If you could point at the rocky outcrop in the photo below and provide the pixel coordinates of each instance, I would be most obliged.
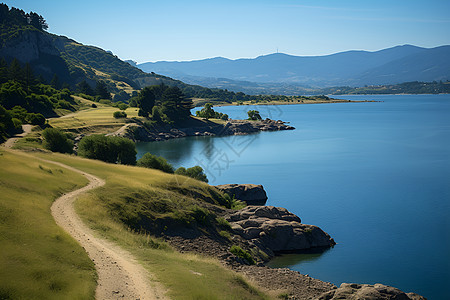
(29, 46)
(275, 229)
(252, 194)
(368, 292)
(139, 132)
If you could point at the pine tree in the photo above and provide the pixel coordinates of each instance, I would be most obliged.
(102, 90)
(15, 71)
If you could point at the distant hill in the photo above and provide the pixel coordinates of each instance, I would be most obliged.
(354, 68)
(49, 54)
(72, 62)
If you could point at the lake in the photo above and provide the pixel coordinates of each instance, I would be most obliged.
(375, 176)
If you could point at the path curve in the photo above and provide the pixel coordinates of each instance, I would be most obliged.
(120, 276)
(9, 143)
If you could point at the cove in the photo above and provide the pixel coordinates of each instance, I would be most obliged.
(375, 176)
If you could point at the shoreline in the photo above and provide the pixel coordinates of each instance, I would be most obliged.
(333, 101)
(139, 132)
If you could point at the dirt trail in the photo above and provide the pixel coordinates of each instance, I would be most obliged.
(120, 276)
(11, 141)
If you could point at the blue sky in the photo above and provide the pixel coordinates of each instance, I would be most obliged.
(148, 30)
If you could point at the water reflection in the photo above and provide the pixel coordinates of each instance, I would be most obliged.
(175, 151)
(297, 258)
(214, 154)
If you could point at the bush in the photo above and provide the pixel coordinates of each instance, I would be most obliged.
(239, 252)
(17, 124)
(110, 149)
(155, 162)
(119, 114)
(56, 141)
(122, 106)
(194, 172)
(36, 119)
(223, 223)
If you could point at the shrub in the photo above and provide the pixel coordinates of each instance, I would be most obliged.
(110, 149)
(122, 106)
(119, 114)
(155, 162)
(36, 119)
(201, 215)
(223, 223)
(17, 124)
(225, 234)
(194, 172)
(239, 252)
(56, 141)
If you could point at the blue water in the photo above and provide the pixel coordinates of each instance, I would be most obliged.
(375, 176)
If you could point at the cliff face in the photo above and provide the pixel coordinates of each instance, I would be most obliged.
(43, 51)
(29, 46)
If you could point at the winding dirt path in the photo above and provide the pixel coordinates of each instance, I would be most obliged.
(120, 276)
(9, 143)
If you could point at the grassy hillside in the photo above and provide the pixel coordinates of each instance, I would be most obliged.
(134, 195)
(38, 259)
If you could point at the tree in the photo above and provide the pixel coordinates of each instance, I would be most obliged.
(84, 88)
(206, 112)
(6, 124)
(175, 105)
(55, 82)
(102, 90)
(29, 76)
(119, 114)
(155, 162)
(112, 149)
(15, 71)
(157, 115)
(4, 76)
(37, 21)
(254, 115)
(195, 172)
(146, 100)
(36, 119)
(57, 141)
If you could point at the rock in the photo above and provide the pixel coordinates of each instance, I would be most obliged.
(276, 229)
(368, 292)
(252, 194)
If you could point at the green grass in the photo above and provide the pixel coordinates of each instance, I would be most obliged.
(38, 259)
(93, 120)
(133, 190)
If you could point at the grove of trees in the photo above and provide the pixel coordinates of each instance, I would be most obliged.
(162, 103)
(208, 112)
(110, 149)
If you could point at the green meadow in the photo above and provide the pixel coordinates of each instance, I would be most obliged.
(41, 257)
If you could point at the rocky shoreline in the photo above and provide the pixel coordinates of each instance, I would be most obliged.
(136, 130)
(265, 231)
(262, 231)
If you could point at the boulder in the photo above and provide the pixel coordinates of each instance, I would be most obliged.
(275, 229)
(368, 292)
(252, 194)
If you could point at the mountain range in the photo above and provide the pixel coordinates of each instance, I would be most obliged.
(352, 68)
